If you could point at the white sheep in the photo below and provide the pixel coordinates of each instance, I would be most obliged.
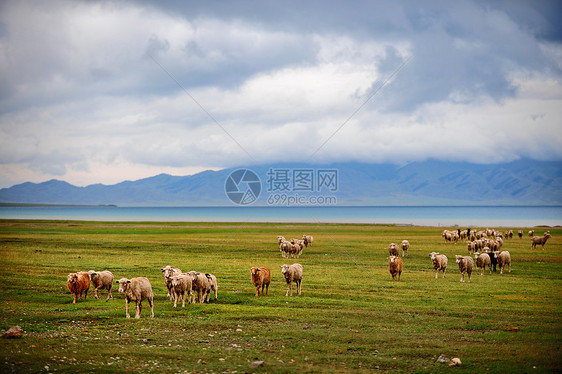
(393, 249)
(504, 258)
(168, 272)
(439, 262)
(483, 260)
(405, 246)
(181, 285)
(471, 246)
(201, 284)
(292, 273)
(137, 290)
(214, 287)
(465, 266)
(102, 280)
(540, 240)
(308, 239)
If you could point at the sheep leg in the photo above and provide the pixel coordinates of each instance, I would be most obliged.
(183, 299)
(299, 283)
(74, 301)
(127, 308)
(399, 274)
(151, 303)
(175, 299)
(289, 288)
(138, 309)
(444, 270)
(266, 289)
(96, 295)
(436, 272)
(109, 295)
(85, 295)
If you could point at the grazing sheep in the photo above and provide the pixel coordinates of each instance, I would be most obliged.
(395, 265)
(181, 285)
(503, 258)
(540, 240)
(285, 248)
(261, 277)
(405, 246)
(201, 284)
(214, 287)
(483, 260)
(471, 246)
(520, 234)
(168, 272)
(137, 290)
(308, 239)
(447, 235)
(439, 262)
(292, 273)
(393, 249)
(77, 284)
(465, 266)
(102, 280)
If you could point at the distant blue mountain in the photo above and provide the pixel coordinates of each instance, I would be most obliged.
(522, 182)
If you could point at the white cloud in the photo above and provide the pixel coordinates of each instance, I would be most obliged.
(82, 100)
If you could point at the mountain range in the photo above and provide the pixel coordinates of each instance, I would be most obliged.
(521, 182)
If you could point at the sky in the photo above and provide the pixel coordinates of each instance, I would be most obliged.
(106, 91)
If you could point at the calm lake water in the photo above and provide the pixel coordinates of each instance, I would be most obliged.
(490, 216)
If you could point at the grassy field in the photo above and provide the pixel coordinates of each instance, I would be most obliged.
(351, 316)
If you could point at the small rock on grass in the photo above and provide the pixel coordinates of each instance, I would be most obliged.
(443, 358)
(13, 333)
(455, 362)
(256, 364)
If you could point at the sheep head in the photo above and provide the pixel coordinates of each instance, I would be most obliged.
(284, 268)
(392, 259)
(72, 277)
(123, 284)
(459, 258)
(433, 255)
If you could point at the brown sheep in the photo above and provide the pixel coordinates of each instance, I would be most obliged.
(261, 277)
(395, 265)
(137, 290)
(540, 240)
(77, 284)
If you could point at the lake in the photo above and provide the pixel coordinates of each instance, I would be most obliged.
(464, 216)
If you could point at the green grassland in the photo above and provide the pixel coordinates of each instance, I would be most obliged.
(351, 316)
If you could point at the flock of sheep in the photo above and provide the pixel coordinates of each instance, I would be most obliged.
(488, 241)
(181, 285)
(293, 248)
